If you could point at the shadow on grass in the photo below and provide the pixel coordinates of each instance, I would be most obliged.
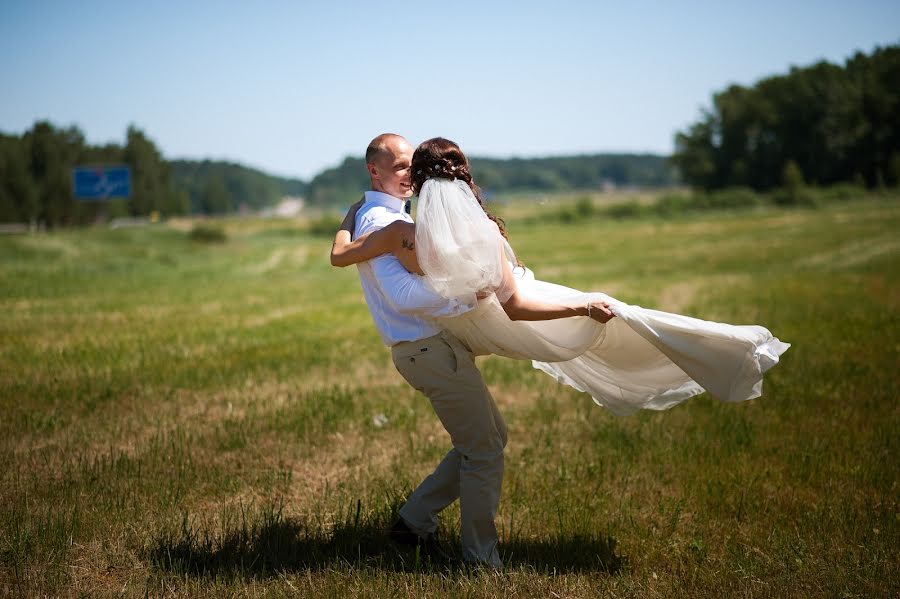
(265, 543)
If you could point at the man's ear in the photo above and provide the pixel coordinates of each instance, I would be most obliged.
(371, 168)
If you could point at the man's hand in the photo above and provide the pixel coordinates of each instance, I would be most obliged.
(600, 312)
(349, 221)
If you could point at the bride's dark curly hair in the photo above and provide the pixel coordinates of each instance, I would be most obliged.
(440, 158)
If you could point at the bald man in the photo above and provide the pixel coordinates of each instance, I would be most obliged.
(437, 364)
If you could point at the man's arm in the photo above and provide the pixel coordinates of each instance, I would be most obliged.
(365, 247)
(408, 294)
(344, 233)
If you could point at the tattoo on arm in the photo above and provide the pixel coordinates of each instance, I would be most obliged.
(406, 244)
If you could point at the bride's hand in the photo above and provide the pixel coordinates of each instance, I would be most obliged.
(600, 311)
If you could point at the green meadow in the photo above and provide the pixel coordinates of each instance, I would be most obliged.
(219, 418)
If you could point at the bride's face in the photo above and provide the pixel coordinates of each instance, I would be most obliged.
(391, 171)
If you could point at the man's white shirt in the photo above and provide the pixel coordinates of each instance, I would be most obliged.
(401, 303)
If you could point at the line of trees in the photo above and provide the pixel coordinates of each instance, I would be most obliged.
(573, 172)
(36, 180)
(216, 187)
(339, 185)
(36, 177)
(821, 124)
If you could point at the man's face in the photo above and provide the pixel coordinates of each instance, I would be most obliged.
(390, 171)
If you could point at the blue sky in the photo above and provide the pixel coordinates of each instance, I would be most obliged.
(293, 87)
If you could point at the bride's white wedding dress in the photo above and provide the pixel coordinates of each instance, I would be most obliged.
(641, 359)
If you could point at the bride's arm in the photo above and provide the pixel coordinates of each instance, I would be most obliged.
(521, 307)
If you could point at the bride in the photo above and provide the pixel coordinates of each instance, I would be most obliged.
(641, 359)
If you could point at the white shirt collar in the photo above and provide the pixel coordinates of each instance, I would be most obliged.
(380, 198)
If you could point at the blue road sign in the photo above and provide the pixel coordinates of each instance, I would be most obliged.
(101, 182)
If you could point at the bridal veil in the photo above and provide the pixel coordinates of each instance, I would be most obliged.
(460, 250)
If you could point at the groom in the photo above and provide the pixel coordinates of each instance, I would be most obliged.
(437, 364)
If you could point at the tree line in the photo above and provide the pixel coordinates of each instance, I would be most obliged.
(36, 180)
(821, 124)
(36, 177)
(222, 187)
(338, 185)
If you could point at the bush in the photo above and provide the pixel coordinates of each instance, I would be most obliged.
(207, 233)
(567, 216)
(324, 226)
(729, 198)
(287, 231)
(797, 196)
(671, 205)
(630, 209)
(842, 192)
(584, 207)
(732, 197)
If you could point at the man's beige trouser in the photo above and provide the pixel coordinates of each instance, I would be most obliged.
(444, 370)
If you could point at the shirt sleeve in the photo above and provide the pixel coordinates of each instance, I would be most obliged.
(409, 294)
(369, 221)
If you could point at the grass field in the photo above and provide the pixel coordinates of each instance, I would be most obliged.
(220, 419)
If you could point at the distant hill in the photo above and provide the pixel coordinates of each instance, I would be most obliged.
(338, 185)
(573, 172)
(219, 187)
